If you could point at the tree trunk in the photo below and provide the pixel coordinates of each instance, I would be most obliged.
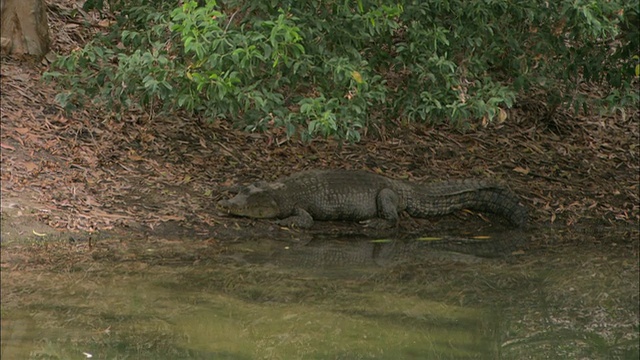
(24, 28)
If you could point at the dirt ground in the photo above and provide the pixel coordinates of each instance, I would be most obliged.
(82, 174)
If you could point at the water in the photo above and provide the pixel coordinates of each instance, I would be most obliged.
(180, 299)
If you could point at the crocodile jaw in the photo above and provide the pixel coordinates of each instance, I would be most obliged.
(258, 205)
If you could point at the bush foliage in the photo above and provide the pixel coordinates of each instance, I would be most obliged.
(331, 68)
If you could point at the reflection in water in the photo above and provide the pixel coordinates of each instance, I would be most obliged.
(337, 300)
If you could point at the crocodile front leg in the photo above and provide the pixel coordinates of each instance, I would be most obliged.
(300, 219)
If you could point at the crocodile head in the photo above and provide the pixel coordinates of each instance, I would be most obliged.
(254, 201)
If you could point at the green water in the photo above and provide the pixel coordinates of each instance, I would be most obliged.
(561, 303)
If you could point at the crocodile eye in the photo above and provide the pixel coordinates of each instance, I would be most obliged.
(253, 190)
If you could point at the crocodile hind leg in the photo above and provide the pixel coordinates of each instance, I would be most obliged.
(387, 203)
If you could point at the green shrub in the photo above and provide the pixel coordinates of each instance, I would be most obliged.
(331, 68)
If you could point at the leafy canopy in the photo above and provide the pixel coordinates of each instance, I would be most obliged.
(331, 68)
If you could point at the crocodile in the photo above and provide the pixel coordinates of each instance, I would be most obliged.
(374, 199)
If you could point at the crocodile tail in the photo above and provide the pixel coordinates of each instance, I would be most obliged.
(501, 201)
(480, 195)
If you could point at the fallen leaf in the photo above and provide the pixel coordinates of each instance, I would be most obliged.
(502, 116)
(171, 218)
(105, 23)
(5, 146)
(135, 157)
(427, 238)
(30, 166)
